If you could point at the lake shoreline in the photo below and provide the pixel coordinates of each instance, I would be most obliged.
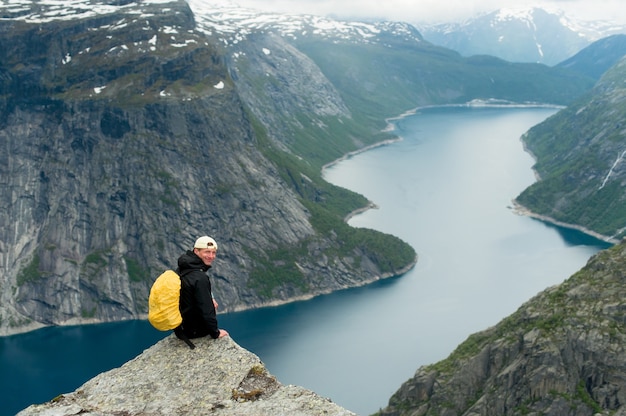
(523, 211)
(519, 209)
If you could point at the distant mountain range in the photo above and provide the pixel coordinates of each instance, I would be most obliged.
(521, 35)
(598, 57)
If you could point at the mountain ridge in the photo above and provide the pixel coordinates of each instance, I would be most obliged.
(524, 34)
(598, 57)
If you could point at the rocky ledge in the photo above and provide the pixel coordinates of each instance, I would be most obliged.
(218, 377)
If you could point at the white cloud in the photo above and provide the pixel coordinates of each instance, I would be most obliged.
(429, 11)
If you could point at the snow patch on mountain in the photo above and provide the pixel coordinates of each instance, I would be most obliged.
(236, 23)
(44, 11)
(230, 22)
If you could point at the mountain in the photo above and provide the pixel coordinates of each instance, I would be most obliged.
(560, 354)
(598, 57)
(580, 157)
(381, 69)
(524, 34)
(131, 128)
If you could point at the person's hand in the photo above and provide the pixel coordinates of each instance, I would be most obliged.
(223, 333)
(215, 304)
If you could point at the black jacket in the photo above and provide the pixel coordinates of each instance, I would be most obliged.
(196, 300)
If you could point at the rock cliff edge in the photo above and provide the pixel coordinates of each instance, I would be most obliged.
(217, 377)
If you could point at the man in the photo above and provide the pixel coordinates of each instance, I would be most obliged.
(197, 306)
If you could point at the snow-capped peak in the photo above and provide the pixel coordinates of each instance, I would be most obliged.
(218, 17)
(227, 18)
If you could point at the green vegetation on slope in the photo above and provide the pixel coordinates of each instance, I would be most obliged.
(580, 154)
(328, 205)
(379, 81)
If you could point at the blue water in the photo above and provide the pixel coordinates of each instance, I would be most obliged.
(446, 189)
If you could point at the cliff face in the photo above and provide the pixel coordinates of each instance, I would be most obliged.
(218, 377)
(124, 138)
(562, 353)
(110, 174)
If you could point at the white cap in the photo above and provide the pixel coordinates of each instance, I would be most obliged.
(205, 242)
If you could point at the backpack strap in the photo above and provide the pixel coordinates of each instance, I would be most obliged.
(181, 334)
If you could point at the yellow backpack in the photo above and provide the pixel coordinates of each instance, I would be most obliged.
(163, 310)
(163, 304)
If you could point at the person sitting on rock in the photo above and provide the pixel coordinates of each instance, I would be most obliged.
(197, 305)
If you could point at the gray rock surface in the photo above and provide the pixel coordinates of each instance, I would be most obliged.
(218, 377)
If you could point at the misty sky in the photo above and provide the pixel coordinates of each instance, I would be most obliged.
(435, 11)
